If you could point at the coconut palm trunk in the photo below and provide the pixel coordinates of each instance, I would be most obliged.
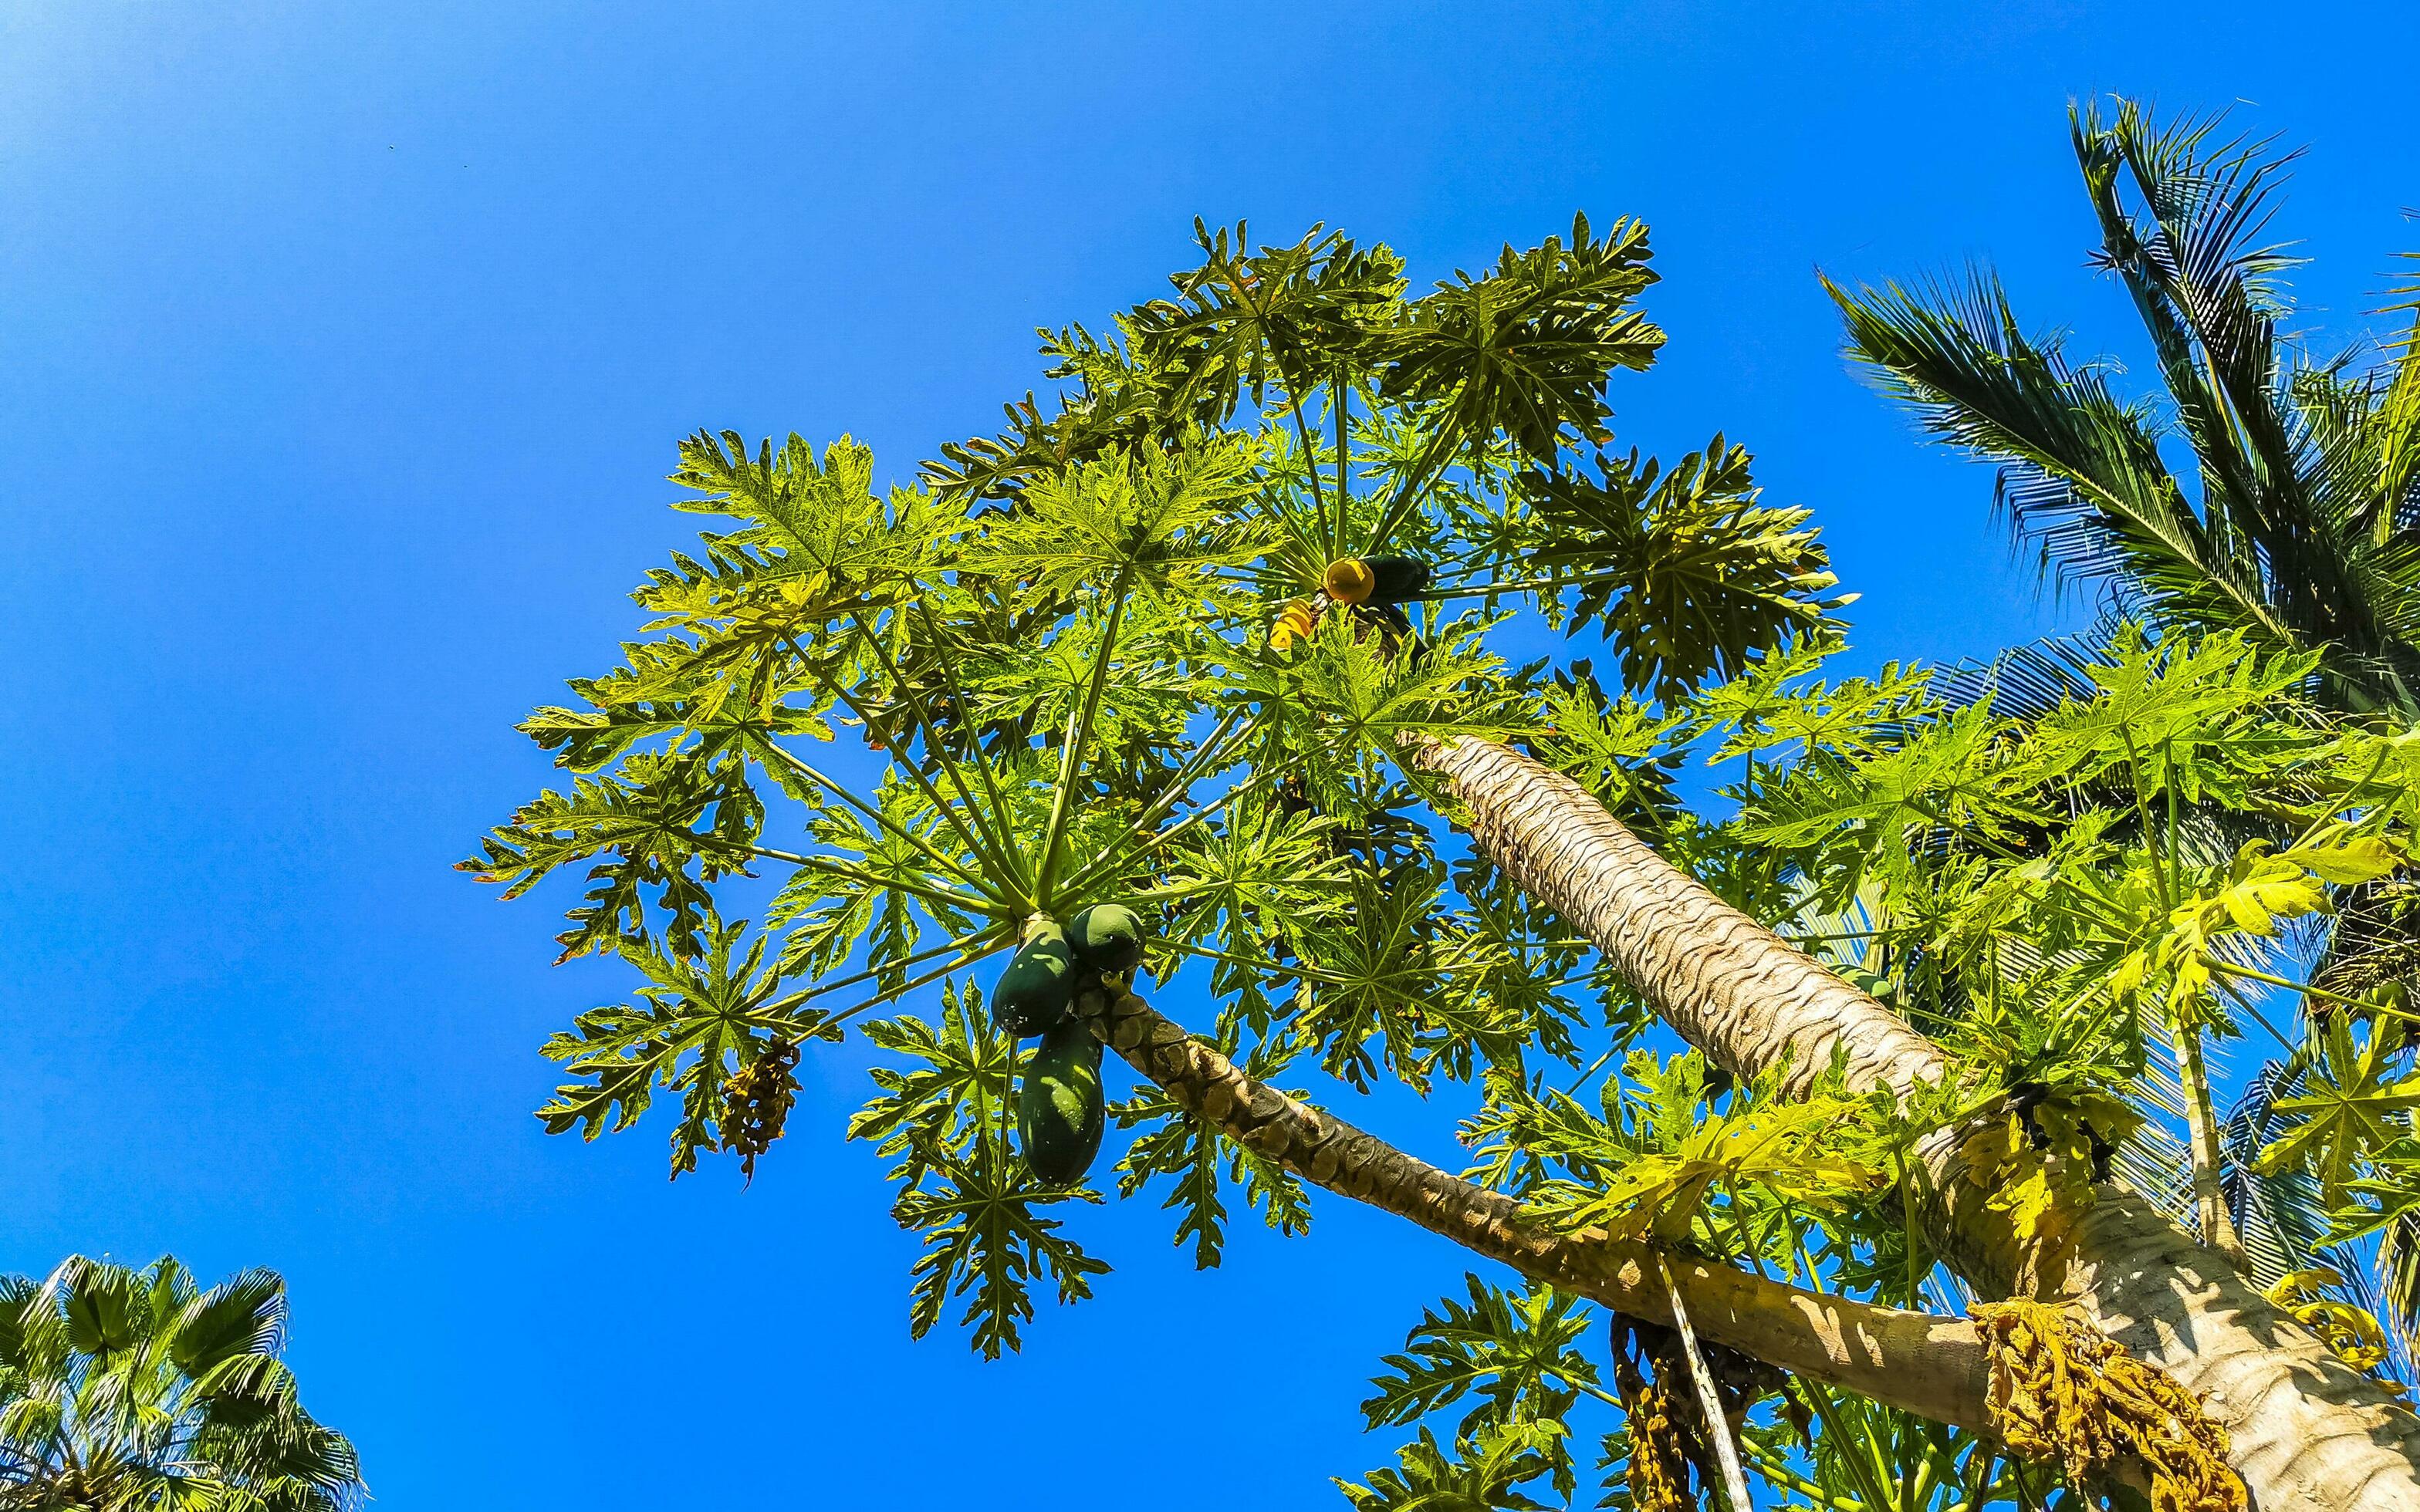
(2309, 1433)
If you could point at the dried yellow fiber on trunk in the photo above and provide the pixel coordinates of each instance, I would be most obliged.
(2353, 1332)
(2061, 1391)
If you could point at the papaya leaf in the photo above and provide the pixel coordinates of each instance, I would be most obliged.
(815, 522)
(1343, 700)
(1482, 1474)
(942, 1122)
(1391, 968)
(696, 1021)
(2353, 1106)
(1286, 317)
(1197, 1160)
(1148, 522)
(1524, 349)
(958, 1075)
(655, 820)
(884, 889)
(983, 1240)
(1684, 573)
(1517, 1354)
(1182, 1147)
(1648, 1168)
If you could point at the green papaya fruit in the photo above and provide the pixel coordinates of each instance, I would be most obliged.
(1395, 579)
(1375, 579)
(1107, 937)
(1059, 1104)
(1033, 991)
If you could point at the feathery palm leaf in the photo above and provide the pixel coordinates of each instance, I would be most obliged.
(2303, 533)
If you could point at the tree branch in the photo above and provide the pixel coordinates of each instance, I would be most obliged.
(1932, 1366)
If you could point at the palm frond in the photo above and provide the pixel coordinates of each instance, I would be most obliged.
(2081, 474)
(2187, 244)
(2029, 681)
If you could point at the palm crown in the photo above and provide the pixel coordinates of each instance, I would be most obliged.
(130, 1391)
(2296, 525)
(2298, 522)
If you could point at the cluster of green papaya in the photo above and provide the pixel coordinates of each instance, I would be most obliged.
(1372, 582)
(1376, 581)
(1059, 1104)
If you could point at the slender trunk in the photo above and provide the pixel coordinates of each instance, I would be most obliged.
(2211, 1213)
(1932, 1366)
(2309, 1432)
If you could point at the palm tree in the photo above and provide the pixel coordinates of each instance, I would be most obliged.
(2305, 531)
(2301, 525)
(128, 1391)
(2296, 522)
(2307, 1430)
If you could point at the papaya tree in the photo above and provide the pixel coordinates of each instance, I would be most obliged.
(1194, 678)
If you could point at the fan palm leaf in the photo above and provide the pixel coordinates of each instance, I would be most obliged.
(138, 1389)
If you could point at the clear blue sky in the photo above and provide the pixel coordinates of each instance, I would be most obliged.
(342, 351)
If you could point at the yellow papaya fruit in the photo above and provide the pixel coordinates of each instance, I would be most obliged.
(1294, 623)
(1349, 581)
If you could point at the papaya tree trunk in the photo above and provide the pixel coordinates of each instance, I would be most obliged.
(2201, 1134)
(1932, 1366)
(1710, 1401)
(2309, 1433)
